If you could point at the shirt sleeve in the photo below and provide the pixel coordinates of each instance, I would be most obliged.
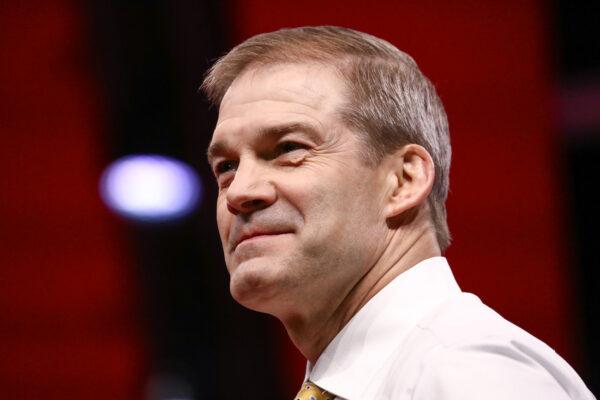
(496, 370)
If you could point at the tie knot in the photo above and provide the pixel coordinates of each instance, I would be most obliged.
(310, 391)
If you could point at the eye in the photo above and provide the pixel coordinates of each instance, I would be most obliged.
(225, 166)
(288, 147)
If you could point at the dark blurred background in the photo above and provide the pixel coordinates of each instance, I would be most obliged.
(94, 305)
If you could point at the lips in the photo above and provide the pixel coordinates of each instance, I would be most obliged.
(249, 234)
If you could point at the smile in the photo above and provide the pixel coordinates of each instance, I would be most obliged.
(257, 237)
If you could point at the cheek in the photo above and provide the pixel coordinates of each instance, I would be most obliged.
(321, 207)
(307, 197)
(351, 200)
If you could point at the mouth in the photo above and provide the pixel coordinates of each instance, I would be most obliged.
(253, 236)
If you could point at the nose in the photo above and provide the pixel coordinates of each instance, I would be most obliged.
(250, 190)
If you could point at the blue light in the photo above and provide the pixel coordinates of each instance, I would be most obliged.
(150, 188)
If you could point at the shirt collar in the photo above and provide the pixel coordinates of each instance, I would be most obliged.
(352, 358)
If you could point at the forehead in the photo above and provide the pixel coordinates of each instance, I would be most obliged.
(311, 93)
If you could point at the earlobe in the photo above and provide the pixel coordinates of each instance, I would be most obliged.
(411, 175)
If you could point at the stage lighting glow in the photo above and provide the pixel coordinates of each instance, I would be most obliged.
(150, 188)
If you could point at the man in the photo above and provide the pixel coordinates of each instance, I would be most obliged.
(332, 154)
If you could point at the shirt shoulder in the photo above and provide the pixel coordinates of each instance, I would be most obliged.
(468, 351)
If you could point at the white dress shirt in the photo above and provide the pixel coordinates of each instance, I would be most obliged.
(421, 338)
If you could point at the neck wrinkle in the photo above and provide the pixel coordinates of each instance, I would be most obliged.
(312, 335)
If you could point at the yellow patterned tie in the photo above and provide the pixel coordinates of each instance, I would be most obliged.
(310, 391)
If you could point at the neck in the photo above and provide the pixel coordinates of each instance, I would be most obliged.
(405, 247)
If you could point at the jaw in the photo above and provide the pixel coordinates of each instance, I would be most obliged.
(273, 284)
(256, 283)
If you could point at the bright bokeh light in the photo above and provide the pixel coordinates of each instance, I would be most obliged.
(150, 188)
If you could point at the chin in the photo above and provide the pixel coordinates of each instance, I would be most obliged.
(254, 284)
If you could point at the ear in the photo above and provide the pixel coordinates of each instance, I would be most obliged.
(410, 175)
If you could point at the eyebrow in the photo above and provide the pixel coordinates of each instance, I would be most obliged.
(264, 134)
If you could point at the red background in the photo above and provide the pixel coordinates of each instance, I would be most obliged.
(68, 299)
(491, 64)
(68, 325)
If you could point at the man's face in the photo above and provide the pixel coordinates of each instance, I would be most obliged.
(298, 210)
